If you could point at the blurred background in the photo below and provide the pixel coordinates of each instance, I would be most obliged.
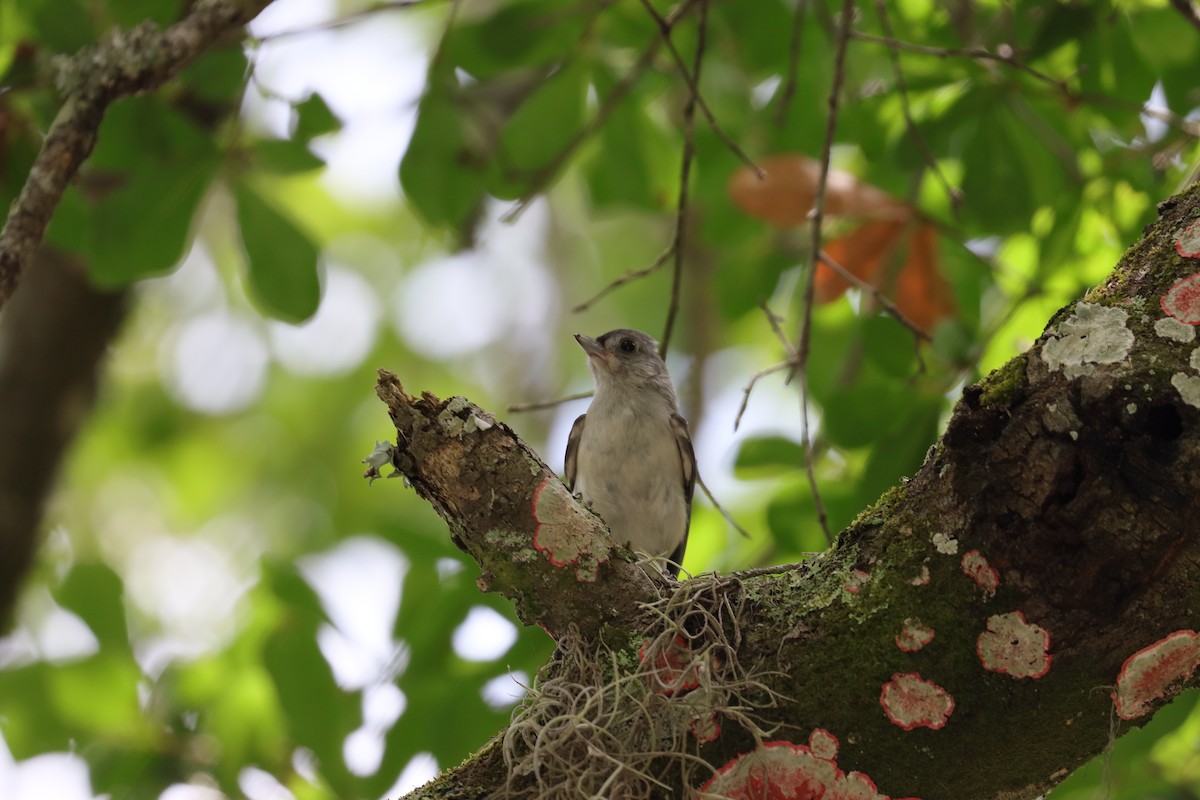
(222, 607)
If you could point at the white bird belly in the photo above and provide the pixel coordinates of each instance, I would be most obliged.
(629, 472)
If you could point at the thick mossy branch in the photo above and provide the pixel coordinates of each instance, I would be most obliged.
(974, 634)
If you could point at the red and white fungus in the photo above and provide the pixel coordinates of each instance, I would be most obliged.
(912, 702)
(913, 635)
(1156, 671)
(1013, 646)
(977, 568)
(786, 771)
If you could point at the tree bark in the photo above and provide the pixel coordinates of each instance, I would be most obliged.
(53, 337)
(977, 633)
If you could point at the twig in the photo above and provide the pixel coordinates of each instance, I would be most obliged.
(1187, 126)
(628, 277)
(693, 82)
(754, 379)
(538, 405)
(1188, 9)
(548, 172)
(876, 294)
(773, 569)
(789, 87)
(685, 171)
(802, 350)
(776, 323)
(983, 54)
(724, 513)
(885, 24)
(129, 61)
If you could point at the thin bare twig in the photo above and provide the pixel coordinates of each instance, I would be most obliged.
(776, 323)
(876, 294)
(789, 87)
(724, 513)
(1186, 126)
(980, 53)
(548, 172)
(953, 193)
(754, 379)
(538, 405)
(628, 277)
(693, 83)
(685, 171)
(805, 344)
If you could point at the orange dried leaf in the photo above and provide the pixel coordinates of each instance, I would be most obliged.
(872, 252)
(785, 197)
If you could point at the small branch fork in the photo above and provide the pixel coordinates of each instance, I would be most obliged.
(129, 61)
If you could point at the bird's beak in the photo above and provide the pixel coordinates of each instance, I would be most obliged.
(592, 348)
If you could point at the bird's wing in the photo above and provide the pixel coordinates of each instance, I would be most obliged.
(687, 456)
(687, 463)
(572, 460)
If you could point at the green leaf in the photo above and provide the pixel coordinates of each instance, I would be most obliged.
(636, 162)
(63, 26)
(533, 33)
(100, 695)
(767, 455)
(315, 118)
(866, 412)
(143, 229)
(792, 517)
(286, 156)
(889, 346)
(441, 175)
(217, 74)
(71, 226)
(319, 713)
(128, 13)
(538, 130)
(281, 261)
(900, 453)
(96, 594)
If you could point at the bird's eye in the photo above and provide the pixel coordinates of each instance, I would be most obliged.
(628, 346)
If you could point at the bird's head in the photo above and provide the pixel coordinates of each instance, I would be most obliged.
(626, 360)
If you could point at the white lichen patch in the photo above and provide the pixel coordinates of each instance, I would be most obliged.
(1188, 387)
(1194, 359)
(1171, 328)
(1094, 334)
(945, 544)
(1131, 408)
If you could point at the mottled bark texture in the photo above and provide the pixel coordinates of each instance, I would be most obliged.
(127, 62)
(1050, 536)
(53, 336)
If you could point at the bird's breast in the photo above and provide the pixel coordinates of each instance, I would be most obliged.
(629, 471)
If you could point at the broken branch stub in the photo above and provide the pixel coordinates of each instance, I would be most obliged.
(534, 542)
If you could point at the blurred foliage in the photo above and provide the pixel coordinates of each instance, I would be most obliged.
(234, 460)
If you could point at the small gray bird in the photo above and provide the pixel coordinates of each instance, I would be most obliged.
(630, 456)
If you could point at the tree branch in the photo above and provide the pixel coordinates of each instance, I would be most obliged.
(53, 337)
(129, 62)
(974, 634)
